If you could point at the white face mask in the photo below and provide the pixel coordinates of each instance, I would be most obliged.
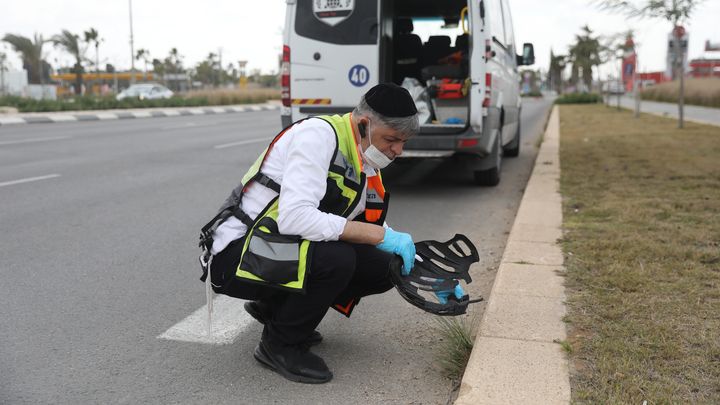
(372, 156)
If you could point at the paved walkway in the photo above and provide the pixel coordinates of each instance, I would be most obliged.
(701, 115)
(99, 115)
(516, 358)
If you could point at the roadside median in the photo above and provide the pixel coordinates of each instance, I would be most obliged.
(642, 245)
(101, 115)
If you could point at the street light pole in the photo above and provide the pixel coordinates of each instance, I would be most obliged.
(132, 47)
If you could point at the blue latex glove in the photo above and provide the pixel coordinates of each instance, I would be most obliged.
(443, 295)
(401, 244)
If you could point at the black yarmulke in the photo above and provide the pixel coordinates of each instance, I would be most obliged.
(390, 100)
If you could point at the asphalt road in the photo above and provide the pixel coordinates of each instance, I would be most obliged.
(99, 224)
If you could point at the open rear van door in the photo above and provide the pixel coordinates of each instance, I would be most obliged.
(333, 53)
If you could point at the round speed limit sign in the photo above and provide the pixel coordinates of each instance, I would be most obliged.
(359, 75)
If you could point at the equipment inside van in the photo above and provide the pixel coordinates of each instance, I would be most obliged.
(457, 58)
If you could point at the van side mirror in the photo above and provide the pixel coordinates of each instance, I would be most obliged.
(528, 56)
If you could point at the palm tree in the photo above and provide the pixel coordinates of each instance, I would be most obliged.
(585, 54)
(92, 36)
(72, 44)
(31, 53)
(144, 55)
(555, 73)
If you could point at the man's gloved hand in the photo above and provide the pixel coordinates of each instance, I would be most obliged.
(443, 295)
(400, 244)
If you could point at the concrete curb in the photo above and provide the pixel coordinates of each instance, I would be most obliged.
(515, 358)
(101, 115)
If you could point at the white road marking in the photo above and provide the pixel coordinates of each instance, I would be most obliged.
(106, 116)
(20, 141)
(28, 180)
(229, 319)
(11, 120)
(245, 142)
(141, 114)
(171, 113)
(256, 108)
(62, 118)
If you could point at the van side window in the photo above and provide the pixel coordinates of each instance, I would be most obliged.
(360, 27)
(497, 29)
(507, 19)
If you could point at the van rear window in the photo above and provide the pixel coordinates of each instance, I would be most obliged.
(343, 22)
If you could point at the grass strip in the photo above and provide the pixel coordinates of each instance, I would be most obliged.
(641, 204)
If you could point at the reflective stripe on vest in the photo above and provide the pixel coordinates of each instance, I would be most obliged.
(347, 174)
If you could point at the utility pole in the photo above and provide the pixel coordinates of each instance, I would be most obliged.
(636, 86)
(220, 67)
(3, 58)
(132, 47)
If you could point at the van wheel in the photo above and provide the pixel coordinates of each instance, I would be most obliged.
(513, 149)
(491, 177)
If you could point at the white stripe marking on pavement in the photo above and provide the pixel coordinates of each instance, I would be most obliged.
(197, 111)
(256, 108)
(218, 110)
(229, 319)
(245, 142)
(141, 114)
(19, 141)
(62, 118)
(11, 120)
(106, 116)
(28, 180)
(171, 113)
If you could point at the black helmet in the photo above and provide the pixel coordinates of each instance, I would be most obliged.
(438, 267)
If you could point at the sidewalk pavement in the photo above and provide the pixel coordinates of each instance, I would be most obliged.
(98, 115)
(693, 113)
(516, 358)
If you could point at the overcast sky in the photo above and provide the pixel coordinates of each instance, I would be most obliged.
(252, 30)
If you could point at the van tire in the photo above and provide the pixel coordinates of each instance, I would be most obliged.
(513, 149)
(491, 177)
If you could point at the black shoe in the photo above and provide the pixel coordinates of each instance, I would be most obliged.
(261, 314)
(296, 363)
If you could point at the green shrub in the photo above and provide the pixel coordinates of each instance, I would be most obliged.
(109, 102)
(579, 98)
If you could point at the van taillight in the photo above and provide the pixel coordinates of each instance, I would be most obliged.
(285, 76)
(488, 91)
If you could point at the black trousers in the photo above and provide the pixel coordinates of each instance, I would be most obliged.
(339, 271)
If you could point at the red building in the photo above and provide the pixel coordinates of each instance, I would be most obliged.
(707, 67)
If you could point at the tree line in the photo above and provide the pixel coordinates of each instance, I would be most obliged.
(209, 72)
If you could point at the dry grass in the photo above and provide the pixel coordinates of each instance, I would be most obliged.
(456, 345)
(642, 241)
(701, 91)
(249, 95)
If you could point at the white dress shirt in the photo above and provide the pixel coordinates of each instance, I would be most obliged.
(299, 162)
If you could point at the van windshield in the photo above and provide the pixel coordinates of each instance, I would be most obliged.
(342, 22)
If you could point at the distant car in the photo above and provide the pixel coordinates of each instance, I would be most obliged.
(145, 91)
(614, 87)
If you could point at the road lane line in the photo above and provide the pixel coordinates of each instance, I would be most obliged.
(245, 142)
(229, 319)
(28, 180)
(20, 141)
